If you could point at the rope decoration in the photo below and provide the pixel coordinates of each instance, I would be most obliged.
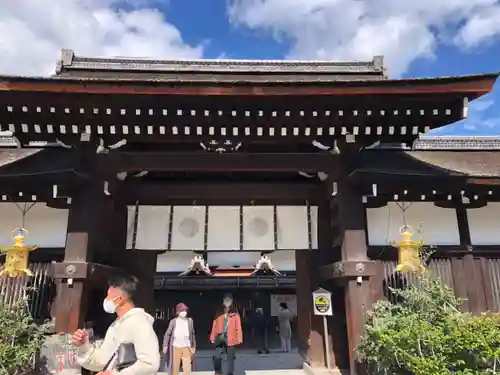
(136, 225)
(170, 228)
(309, 226)
(275, 227)
(241, 227)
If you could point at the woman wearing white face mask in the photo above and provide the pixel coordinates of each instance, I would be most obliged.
(179, 343)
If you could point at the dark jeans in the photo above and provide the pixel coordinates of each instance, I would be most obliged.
(261, 341)
(219, 351)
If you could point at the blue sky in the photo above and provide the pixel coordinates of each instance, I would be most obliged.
(424, 38)
(209, 26)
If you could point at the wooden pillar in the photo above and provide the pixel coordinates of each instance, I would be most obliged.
(310, 330)
(303, 291)
(140, 263)
(308, 264)
(83, 242)
(352, 220)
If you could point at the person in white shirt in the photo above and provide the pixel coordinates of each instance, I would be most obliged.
(285, 317)
(132, 325)
(179, 343)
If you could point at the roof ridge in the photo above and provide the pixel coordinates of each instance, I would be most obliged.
(70, 61)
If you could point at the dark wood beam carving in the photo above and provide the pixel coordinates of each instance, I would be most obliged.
(220, 193)
(216, 162)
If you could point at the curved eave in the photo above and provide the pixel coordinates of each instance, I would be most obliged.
(21, 165)
(471, 86)
(9, 157)
(427, 164)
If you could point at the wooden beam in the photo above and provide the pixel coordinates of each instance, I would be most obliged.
(115, 162)
(195, 118)
(487, 181)
(185, 193)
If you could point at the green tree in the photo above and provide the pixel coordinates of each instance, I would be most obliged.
(20, 338)
(425, 333)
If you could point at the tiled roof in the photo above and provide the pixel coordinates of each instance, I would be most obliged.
(467, 163)
(426, 142)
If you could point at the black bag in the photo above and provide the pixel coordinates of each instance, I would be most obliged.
(125, 357)
(220, 340)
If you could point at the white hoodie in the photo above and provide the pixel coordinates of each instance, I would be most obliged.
(136, 327)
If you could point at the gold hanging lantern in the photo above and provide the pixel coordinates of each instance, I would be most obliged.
(409, 251)
(16, 256)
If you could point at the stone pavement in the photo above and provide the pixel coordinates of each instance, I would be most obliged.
(250, 363)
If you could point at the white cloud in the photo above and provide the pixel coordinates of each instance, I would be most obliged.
(482, 26)
(32, 33)
(400, 30)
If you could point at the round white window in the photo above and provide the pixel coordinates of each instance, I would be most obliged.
(258, 227)
(189, 227)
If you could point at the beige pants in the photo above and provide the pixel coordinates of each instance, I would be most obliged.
(181, 354)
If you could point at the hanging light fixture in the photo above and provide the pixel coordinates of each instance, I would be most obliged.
(16, 259)
(408, 251)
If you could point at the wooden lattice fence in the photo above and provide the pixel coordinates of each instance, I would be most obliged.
(474, 279)
(37, 290)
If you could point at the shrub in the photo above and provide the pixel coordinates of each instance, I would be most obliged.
(20, 338)
(426, 334)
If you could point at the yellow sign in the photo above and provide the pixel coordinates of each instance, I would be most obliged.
(322, 302)
(16, 259)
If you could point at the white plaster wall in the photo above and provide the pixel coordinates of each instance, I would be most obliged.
(438, 226)
(223, 228)
(188, 228)
(233, 259)
(484, 224)
(283, 260)
(258, 231)
(178, 261)
(152, 227)
(293, 228)
(174, 261)
(47, 226)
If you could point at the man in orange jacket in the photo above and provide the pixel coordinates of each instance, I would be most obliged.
(226, 335)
